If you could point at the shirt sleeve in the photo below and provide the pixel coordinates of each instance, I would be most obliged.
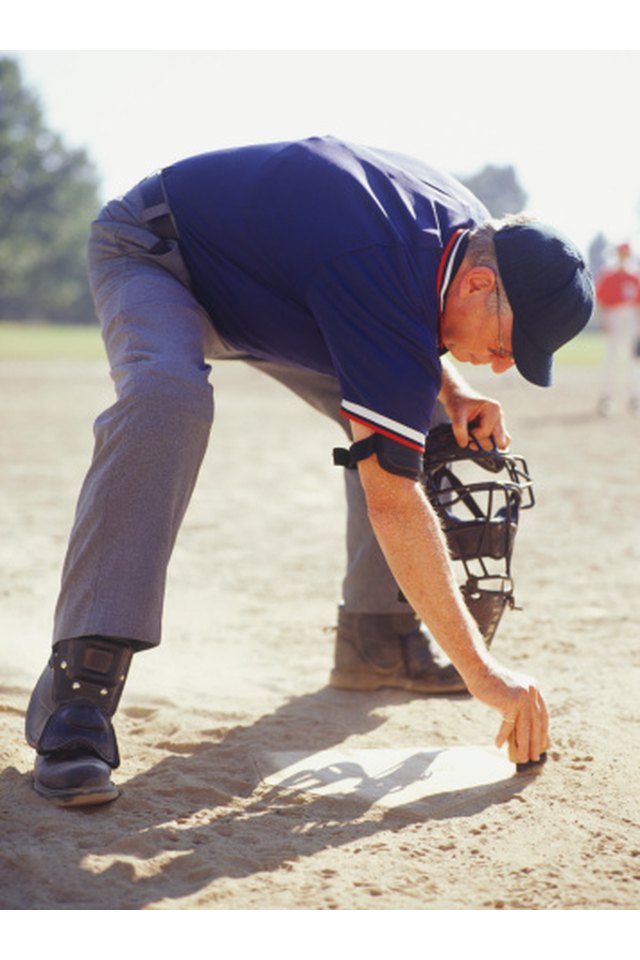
(379, 320)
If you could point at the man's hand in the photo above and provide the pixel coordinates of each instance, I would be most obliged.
(465, 406)
(519, 700)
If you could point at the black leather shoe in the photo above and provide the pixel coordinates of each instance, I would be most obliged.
(389, 650)
(79, 781)
(68, 721)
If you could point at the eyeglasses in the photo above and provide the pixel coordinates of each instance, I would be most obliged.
(500, 352)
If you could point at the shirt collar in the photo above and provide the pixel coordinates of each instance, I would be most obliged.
(449, 262)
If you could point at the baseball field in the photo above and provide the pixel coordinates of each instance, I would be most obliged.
(248, 783)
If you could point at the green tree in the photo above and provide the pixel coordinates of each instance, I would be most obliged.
(498, 189)
(597, 254)
(48, 196)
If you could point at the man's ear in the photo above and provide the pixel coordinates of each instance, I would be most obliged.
(478, 280)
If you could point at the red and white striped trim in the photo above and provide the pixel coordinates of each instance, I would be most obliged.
(447, 261)
(385, 425)
(445, 271)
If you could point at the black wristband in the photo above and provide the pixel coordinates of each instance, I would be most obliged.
(392, 456)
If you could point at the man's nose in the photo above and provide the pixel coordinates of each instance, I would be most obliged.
(502, 364)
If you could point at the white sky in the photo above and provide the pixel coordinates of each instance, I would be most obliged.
(568, 120)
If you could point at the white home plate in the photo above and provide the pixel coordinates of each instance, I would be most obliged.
(390, 777)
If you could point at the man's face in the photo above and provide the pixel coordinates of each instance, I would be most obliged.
(474, 329)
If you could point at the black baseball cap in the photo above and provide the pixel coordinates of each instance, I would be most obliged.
(550, 290)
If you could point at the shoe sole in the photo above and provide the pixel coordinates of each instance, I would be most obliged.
(359, 681)
(78, 798)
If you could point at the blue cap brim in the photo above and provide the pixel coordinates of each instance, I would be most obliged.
(534, 364)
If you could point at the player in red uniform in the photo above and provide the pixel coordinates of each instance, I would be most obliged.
(618, 298)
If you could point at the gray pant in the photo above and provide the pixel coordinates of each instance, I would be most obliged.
(150, 444)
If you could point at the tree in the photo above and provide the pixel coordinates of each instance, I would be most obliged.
(48, 196)
(498, 189)
(597, 254)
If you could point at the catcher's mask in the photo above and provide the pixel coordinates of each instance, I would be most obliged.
(480, 519)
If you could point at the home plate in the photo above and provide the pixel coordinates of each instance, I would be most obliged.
(389, 777)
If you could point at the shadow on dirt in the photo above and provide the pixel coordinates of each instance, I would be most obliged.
(205, 812)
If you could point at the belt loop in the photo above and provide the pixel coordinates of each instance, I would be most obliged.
(156, 213)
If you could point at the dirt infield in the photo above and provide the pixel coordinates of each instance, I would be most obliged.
(241, 676)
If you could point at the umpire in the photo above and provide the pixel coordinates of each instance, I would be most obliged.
(346, 273)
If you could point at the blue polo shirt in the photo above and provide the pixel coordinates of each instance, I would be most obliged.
(326, 255)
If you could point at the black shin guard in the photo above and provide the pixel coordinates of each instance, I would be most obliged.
(93, 669)
(70, 711)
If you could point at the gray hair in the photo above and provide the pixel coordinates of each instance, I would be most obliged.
(481, 251)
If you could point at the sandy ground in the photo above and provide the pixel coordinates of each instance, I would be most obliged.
(239, 684)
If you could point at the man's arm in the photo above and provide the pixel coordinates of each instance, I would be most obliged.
(415, 548)
(464, 405)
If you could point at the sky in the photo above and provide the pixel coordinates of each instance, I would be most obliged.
(567, 120)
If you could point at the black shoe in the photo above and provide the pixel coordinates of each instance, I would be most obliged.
(79, 781)
(389, 650)
(68, 721)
